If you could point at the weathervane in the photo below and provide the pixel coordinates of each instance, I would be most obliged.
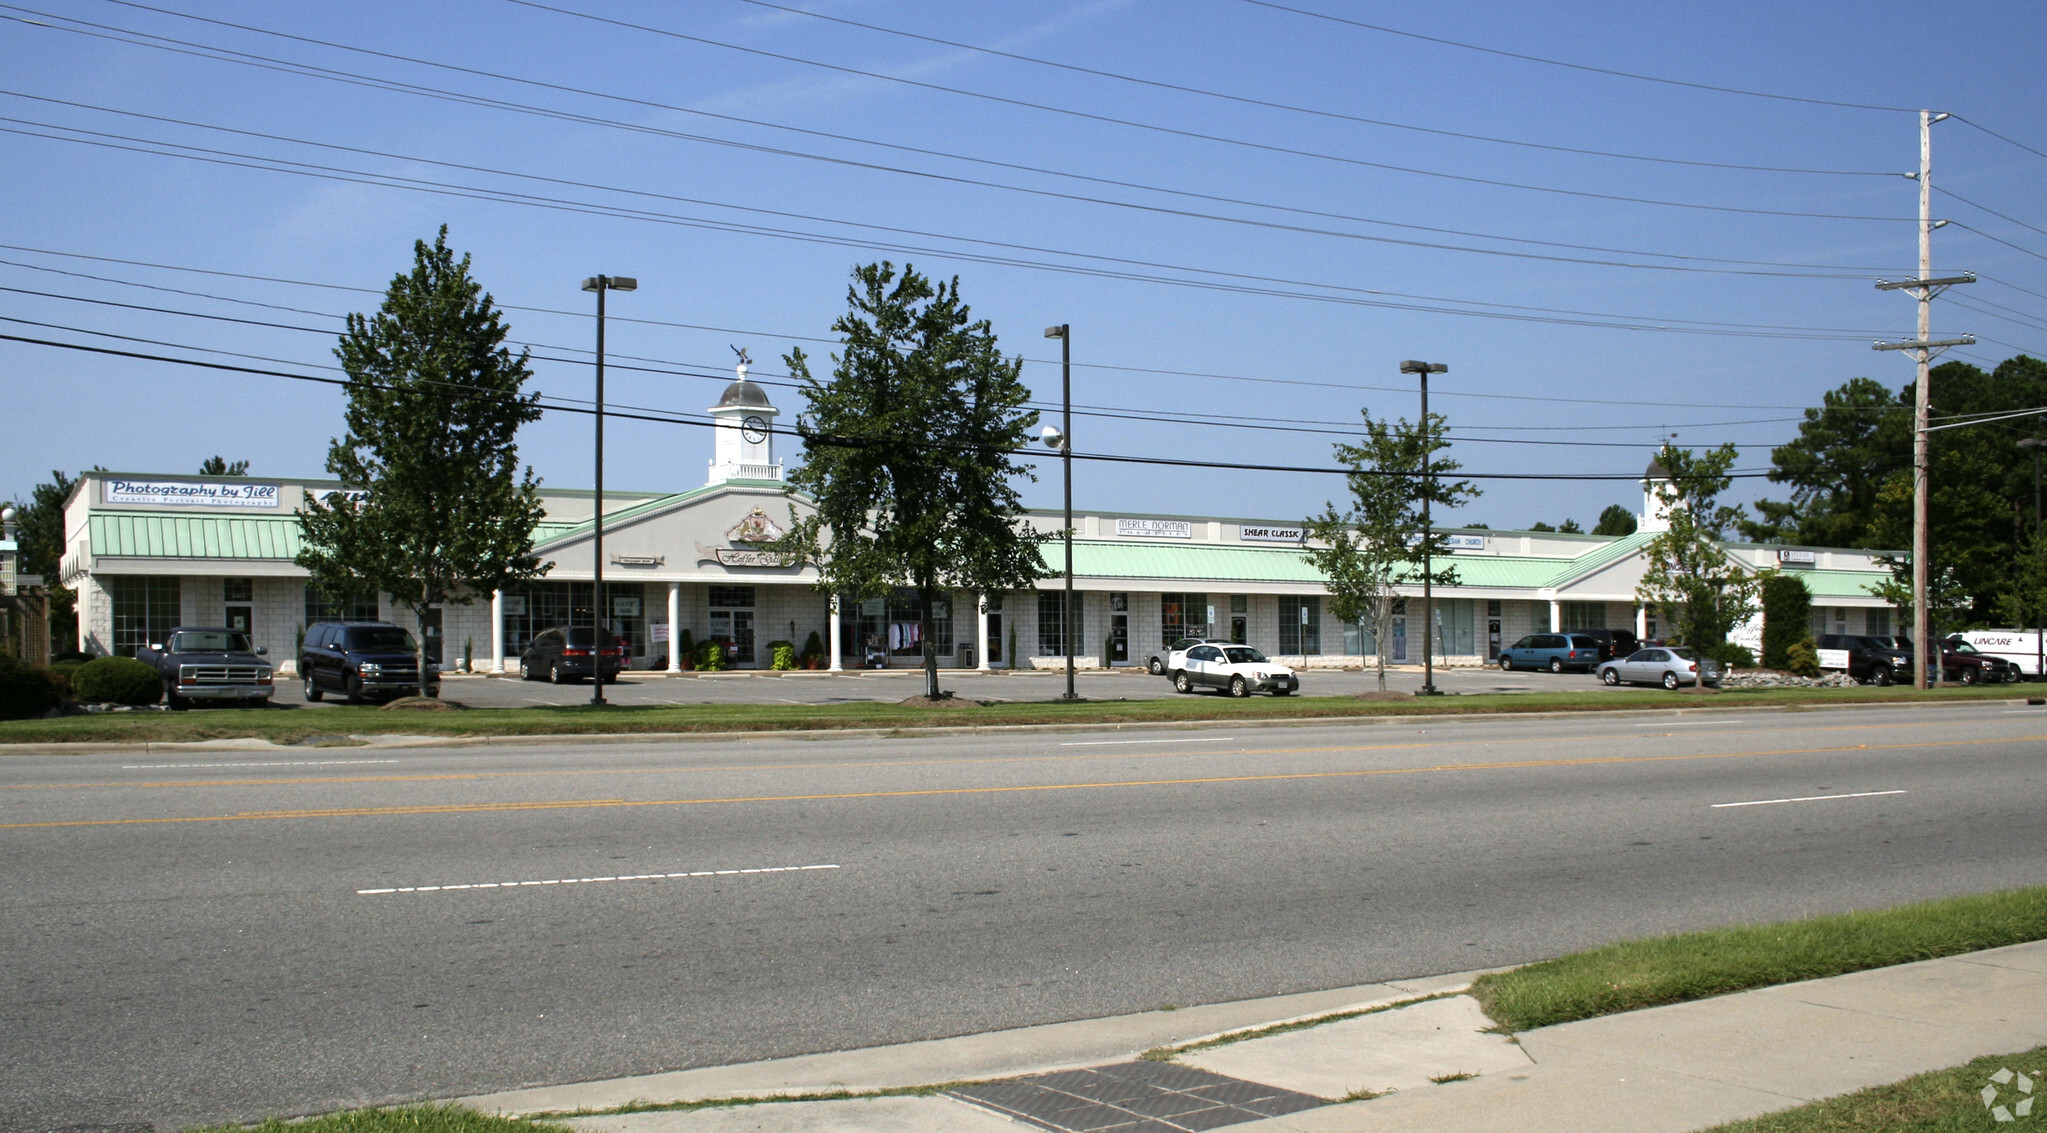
(744, 361)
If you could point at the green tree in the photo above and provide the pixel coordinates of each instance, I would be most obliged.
(39, 532)
(908, 452)
(1787, 618)
(1615, 520)
(435, 511)
(1685, 566)
(1374, 544)
(1859, 437)
(1539, 525)
(219, 466)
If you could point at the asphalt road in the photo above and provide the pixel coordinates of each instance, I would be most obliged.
(223, 936)
(891, 685)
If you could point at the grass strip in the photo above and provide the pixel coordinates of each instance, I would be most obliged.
(298, 725)
(398, 1119)
(1695, 965)
(1939, 1101)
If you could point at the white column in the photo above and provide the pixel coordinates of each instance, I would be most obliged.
(675, 627)
(837, 665)
(1556, 616)
(497, 631)
(1641, 622)
(981, 634)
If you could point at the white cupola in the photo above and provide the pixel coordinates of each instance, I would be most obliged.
(744, 433)
(1655, 513)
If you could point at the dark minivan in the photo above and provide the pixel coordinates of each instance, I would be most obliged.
(1553, 651)
(361, 661)
(570, 653)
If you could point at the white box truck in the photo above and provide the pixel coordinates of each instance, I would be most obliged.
(2019, 646)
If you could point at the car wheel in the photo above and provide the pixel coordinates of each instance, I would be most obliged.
(554, 674)
(1883, 677)
(1181, 683)
(1670, 680)
(525, 670)
(313, 692)
(1969, 676)
(1611, 676)
(1239, 688)
(1556, 664)
(354, 689)
(1506, 664)
(171, 699)
(1158, 667)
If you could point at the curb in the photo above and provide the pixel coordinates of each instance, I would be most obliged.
(387, 740)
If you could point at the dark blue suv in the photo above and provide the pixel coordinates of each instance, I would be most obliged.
(1553, 651)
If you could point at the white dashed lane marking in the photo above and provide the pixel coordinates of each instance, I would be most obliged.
(591, 880)
(1685, 723)
(293, 763)
(1809, 799)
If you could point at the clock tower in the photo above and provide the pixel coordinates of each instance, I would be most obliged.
(744, 448)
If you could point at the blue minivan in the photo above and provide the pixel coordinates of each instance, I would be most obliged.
(1553, 651)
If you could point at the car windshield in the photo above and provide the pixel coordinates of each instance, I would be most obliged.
(1963, 647)
(210, 641)
(1245, 655)
(387, 638)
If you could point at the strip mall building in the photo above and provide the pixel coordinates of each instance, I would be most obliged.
(147, 551)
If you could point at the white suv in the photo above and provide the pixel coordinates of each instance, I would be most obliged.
(1240, 669)
(1173, 657)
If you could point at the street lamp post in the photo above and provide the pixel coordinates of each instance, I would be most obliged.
(600, 284)
(1062, 439)
(2039, 633)
(1423, 370)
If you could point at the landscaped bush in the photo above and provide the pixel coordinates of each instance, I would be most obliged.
(711, 657)
(1803, 659)
(781, 656)
(1732, 656)
(26, 691)
(1787, 618)
(116, 680)
(813, 651)
(686, 650)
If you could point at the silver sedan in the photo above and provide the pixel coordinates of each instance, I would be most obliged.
(1664, 665)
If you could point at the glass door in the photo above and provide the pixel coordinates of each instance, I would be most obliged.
(1119, 638)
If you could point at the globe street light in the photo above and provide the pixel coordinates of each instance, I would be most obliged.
(1062, 440)
(1423, 370)
(600, 284)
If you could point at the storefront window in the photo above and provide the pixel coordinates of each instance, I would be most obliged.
(1300, 625)
(146, 609)
(540, 606)
(1051, 628)
(1182, 615)
(320, 608)
(1584, 615)
(906, 625)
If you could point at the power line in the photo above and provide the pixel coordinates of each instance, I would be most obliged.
(1988, 209)
(1998, 136)
(1998, 240)
(1231, 282)
(1107, 119)
(1581, 66)
(1319, 113)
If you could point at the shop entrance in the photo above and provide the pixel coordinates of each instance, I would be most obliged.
(1399, 619)
(1240, 631)
(1119, 638)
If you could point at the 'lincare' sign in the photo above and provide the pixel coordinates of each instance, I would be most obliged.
(191, 493)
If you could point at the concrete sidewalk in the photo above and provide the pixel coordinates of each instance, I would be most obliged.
(1420, 1045)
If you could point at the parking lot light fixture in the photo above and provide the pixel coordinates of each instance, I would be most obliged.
(600, 284)
(1423, 370)
(1064, 443)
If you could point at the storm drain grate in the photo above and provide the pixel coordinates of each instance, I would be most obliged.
(1134, 1097)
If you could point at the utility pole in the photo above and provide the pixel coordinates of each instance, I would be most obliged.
(1923, 350)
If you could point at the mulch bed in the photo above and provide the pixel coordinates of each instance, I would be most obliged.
(424, 704)
(946, 701)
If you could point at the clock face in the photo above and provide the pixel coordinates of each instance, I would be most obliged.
(754, 429)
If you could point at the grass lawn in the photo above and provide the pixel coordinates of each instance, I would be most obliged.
(1695, 965)
(287, 727)
(1940, 1101)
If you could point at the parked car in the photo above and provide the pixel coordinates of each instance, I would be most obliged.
(361, 661)
(1173, 657)
(1239, 669)
(1966, 664)
(1553, 651)
(571, 653)
(1613, 642)
(209, 663)
(1871, 658)
(1667, 665)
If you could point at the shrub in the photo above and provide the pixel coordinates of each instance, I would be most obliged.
(813, 646)
(117, 680)
(1803, 659)
(1732, 656)
(711, 657)
(781, 656)
(1787, 618)
(26, 691)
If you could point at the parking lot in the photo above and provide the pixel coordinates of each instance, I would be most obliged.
(890, 685)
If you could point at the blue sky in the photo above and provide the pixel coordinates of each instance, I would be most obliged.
(1223, 263)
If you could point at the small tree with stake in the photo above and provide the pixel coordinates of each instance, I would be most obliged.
(435, 511)
(908, 452)
(1685, 565)
(1376, 542)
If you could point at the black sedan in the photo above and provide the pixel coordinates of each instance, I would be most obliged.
(569, 653)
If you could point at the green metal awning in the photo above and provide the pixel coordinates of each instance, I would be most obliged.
(126, 534)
